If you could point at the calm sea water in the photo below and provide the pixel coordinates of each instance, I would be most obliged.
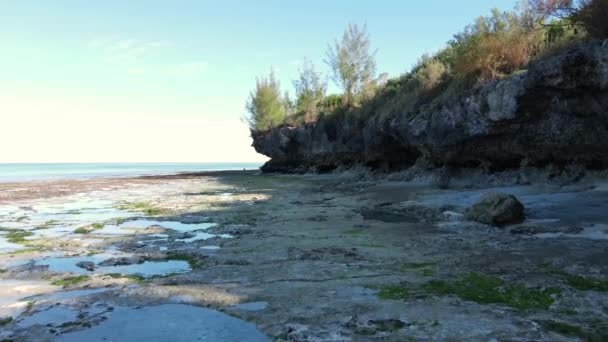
(24, 172)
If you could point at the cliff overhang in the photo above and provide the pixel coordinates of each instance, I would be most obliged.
(555, 112)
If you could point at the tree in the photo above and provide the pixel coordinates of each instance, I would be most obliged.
(266, 106)
(352, 62)
(588, 14)
(310, 91)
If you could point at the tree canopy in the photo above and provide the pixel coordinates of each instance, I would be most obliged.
(266, 106)
(352, 62)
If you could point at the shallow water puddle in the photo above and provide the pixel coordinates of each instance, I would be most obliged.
(50, 220)
(66, 295)
(8, 247)
(55, 315)
(197, 229)
(203, 236)
(173, 225)
(145, 269)
(251, 306)
(168, 322)
(13, 291)
(212, 248)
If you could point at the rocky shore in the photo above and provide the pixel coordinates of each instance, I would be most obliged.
(553, 113)
(339, 257)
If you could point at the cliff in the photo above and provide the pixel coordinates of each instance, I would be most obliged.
(556, 112)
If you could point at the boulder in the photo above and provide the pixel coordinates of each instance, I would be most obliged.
(87, 265)
(121, 261)
(497, 209)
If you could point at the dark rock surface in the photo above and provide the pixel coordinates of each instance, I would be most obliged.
(121, 261)
(496, 209)
(555, 113)
(87, 265)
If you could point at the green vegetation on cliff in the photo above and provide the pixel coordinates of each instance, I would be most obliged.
(491, 48)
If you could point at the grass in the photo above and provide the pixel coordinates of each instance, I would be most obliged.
(70, 281)
(245, 218)
(46, 225)
(396, 292)
(486, 289)
(89, 228)
(372, 245)
(134, 277)
(27, 250)
(355, 231)
(18, 236)
(593, 332)
(584, 283)
(5, 320)
(564, 328)
(424, 268)
(192, 260)
(478, 288)
(576, 281)
(143, 207)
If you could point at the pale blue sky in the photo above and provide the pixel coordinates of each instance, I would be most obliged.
(153, 70)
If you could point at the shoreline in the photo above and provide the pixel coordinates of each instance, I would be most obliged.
(45, 188)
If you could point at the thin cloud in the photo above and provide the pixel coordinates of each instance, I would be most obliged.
(118, 50)
(189, 69)
(136, 71)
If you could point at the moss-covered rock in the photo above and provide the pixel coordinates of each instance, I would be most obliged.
(497, 209)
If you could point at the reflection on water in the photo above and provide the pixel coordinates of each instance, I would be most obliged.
(145, 269)
(173, 225)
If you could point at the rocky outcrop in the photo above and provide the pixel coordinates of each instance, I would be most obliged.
(556, 112)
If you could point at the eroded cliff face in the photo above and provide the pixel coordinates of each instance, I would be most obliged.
(556, 112)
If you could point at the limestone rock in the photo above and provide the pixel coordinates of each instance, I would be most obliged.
(553, 113)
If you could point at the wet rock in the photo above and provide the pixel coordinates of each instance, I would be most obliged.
(497, 209)
(537, 229)
(87, 265)
(234, 230)
(238, 231)
(185, 235)
(318, 218)
(388, 324)
(122, 261)
(411, 214)
(324, 253)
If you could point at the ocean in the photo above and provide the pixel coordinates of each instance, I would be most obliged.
(17, 172)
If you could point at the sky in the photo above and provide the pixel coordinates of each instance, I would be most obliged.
(167, 81)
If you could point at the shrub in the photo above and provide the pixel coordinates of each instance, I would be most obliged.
(429, 74)
(310, 91)
(495, 46)
(331, 103)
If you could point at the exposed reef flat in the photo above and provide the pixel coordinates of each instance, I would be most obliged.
(304, 258)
